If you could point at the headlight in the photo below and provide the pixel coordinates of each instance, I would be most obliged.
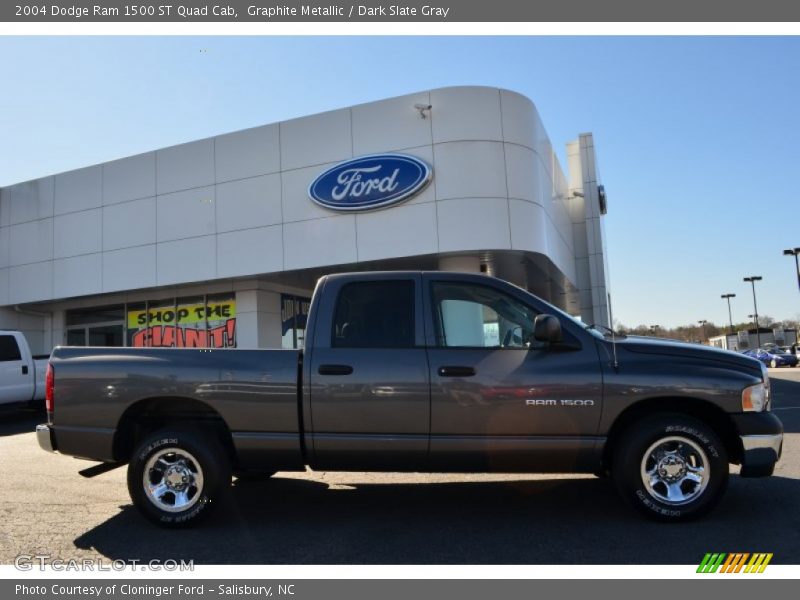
(756, 398)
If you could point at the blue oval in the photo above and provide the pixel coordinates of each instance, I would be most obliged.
(369, 182)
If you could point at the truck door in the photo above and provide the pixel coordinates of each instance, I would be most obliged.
(16, 373)
(368, 373)
(499, 400)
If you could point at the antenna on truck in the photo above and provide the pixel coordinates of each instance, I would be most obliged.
(613, 333)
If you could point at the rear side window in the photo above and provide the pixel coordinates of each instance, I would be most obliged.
(375, 314)
(9, 350)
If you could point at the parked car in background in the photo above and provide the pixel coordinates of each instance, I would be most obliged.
(773, 358)
(21, 374)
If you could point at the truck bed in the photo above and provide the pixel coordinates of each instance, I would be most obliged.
(254, 392)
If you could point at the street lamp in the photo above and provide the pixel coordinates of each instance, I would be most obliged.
(703, 322)
(750, 317)
(728, 298)
(752, 280)
(794, 252)
(654, 328)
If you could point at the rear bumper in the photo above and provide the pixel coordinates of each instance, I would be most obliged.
(762, 442)
(46, 438)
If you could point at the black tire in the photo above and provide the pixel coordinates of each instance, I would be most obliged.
(681, 443)
(249, 476)
(773, 363)
(195, 452)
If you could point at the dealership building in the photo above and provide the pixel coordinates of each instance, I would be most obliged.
(218, 242)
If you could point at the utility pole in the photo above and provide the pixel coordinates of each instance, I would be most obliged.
(730, 316)
(752, 280)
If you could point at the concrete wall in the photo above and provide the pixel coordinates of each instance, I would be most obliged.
(591, 263)
(236, 205)
(35, 328)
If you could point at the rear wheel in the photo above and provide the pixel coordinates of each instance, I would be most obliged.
(671, 467)
(175, 477)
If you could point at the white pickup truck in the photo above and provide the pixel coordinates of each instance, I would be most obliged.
(21, 374)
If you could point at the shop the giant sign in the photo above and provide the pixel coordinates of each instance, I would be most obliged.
(184, 326)
(370, 182)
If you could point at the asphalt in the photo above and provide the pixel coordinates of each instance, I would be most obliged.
(367, 518)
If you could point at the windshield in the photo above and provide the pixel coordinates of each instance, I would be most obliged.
(591, 328)
(596, 330)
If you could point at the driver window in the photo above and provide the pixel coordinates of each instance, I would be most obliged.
(474, 315)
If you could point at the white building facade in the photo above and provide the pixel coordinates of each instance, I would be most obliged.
(217, 242)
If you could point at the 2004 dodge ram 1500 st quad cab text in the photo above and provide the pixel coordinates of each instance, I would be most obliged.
(419, 371)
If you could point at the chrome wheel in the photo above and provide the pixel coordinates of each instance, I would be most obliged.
(774, 364)
(173, 479)
(675, 470)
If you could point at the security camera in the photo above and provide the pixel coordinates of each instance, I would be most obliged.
(422, 108)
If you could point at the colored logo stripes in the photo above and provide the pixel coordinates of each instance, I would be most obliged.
(735, 562)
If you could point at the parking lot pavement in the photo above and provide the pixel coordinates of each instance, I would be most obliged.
(359, 518)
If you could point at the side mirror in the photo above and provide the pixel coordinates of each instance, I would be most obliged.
(547, 328)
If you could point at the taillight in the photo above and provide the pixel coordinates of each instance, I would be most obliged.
(49, 387)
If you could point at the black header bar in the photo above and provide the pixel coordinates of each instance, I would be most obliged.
(441, 11)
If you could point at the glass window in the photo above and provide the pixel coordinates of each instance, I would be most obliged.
(474, 315)
(221, 316)
(294, 315)
(76, 337)
(160, 332)
(95, 314)
(9, 349)
(105, 335)
(191, 323)
(375, 314)
(136, 325)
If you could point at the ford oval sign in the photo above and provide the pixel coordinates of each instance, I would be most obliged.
(370, 182)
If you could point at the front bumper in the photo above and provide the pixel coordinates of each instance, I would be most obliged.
(46, 438)
(762, 442)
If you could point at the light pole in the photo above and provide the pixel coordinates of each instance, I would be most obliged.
(752, 280)
(728, 298)
(750, 317)
(794, 252)
(703, 322)
(654, 328)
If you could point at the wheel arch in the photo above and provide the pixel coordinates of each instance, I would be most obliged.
(702, 410)
(148, 415)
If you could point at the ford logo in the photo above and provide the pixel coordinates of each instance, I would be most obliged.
(370, 182)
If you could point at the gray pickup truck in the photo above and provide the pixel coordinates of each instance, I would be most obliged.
(419, 371)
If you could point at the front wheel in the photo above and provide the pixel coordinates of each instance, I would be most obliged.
(671, 467)
(773, 363)
(175, 477)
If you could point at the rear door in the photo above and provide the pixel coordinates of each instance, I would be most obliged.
(368, 376)
(499, 400)
(16, 376)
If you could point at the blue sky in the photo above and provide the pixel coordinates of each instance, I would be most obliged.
(698, 138)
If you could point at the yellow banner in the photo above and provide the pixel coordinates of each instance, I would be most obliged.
(186, 314)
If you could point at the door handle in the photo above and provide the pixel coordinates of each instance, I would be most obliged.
(456, 371)
(335, 370)
(24, 369)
